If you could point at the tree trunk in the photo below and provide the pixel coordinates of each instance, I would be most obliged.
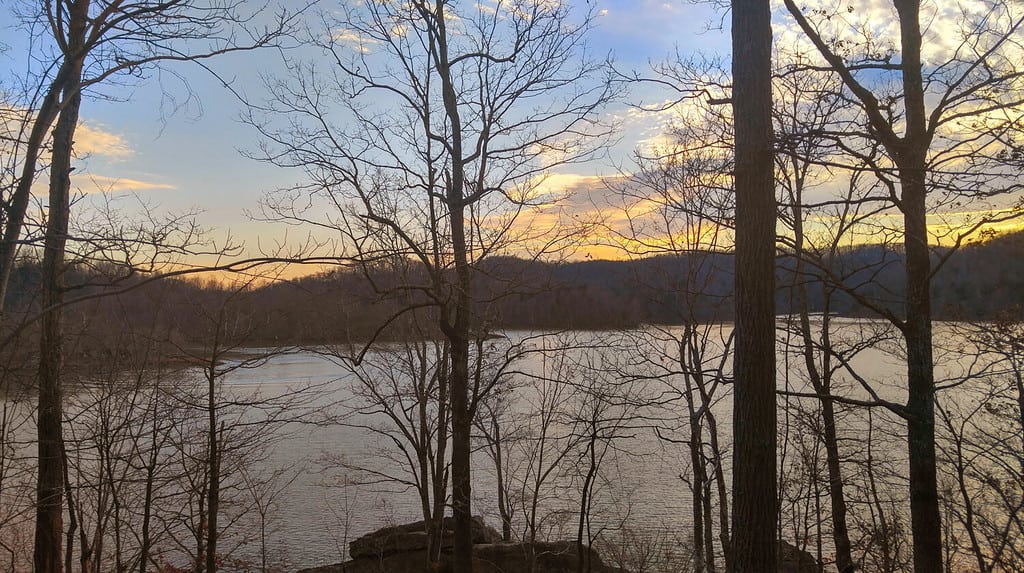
(215, 445)
(924, 499)
(14, 217)
(147, 508)
(457, 330)
(821, 381)
(724, 535)
(440, 469)
(69, 536)
(583, 550)
(840, 531)
(462, 544)
(697, 491)
(755, 500)
(499, 472)
(462, 554)
(911, 160)
(49, 486)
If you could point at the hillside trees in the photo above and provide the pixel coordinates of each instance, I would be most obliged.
(136, 436)
(945, 122)
(425, 143)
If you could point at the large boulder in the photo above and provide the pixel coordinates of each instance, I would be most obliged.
(403, 549)
(554, 557)
(557, 557)
(792, 559)
(413, 537)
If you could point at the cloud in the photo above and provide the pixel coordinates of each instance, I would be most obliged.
(486, 8)
(872, 27)
(559, 184)
(95, 140)
(354, 40)
(90, 138)
(103, 184)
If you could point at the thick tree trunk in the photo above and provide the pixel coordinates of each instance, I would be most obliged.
(462, 544)
(911, 160)
(462, 554)
(49, 489)
(924, 500)
(755, 505)
(50, 480)
(909, 153)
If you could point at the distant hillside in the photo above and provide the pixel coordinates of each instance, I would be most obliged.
(978, 281)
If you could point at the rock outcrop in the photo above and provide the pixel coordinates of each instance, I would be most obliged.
(557, 557)
(403, 549)
(413, 537)
(792, 559)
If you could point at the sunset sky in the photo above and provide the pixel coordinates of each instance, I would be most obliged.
(151, 143)
(176, 154)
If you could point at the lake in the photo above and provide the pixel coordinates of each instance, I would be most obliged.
(640, 490)
(334, 465)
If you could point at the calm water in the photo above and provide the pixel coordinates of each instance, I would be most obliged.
(319, 512)
(321, 506)
(641, 488)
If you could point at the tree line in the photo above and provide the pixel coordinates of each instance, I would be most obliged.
(980, 281)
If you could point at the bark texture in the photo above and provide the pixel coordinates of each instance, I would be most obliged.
(755, 499)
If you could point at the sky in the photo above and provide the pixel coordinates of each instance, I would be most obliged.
(175, 142)
(154, 143)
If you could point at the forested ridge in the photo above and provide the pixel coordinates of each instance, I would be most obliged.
(980, 281)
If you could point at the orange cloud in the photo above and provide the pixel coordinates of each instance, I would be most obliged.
(95, 140)
(105, 184)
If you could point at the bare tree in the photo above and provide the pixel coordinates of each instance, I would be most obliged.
(980, 441)
(91, 43)
(239, 426)
(679, 206)
(925, 118)
(400, 394)
(455, 113)
(86, 45)
(803, 110)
